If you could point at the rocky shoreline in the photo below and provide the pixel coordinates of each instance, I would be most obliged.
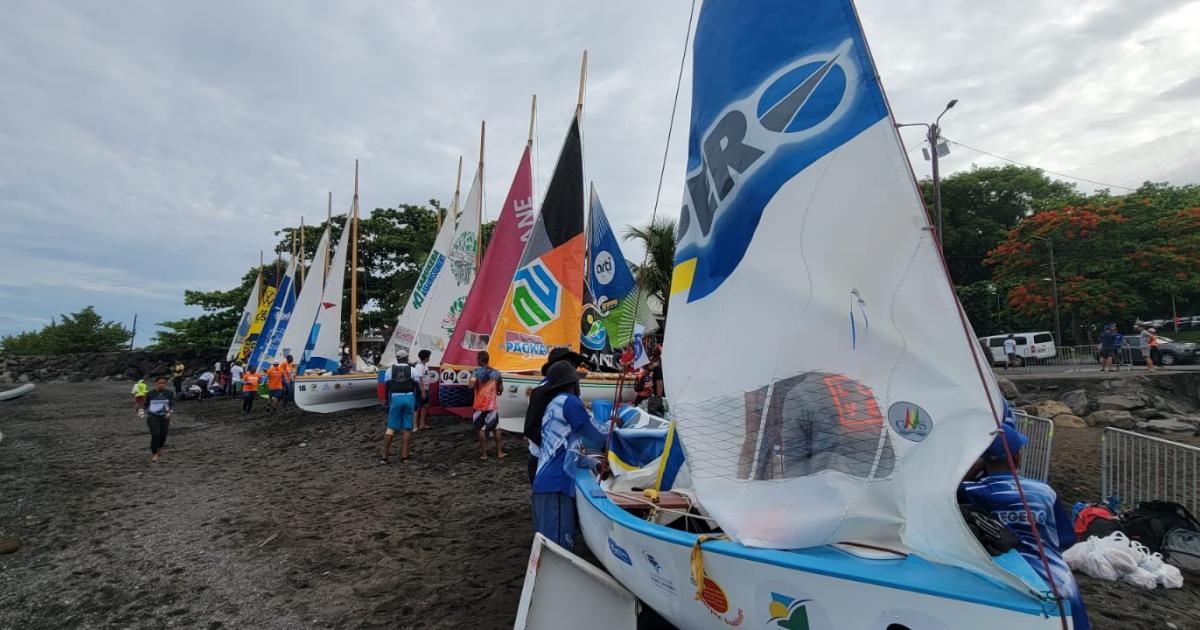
(102, 366)
(1167, 402)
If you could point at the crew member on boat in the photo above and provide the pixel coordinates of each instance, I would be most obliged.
(997, 494)
(564, 425)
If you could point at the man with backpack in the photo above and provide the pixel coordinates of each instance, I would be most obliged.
(996, 493)
(401, 398)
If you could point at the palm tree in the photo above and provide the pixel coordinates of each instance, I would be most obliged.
(658, 239)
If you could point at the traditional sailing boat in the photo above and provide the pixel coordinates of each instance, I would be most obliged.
(830, 456)
(248, 311)
(308, 306)
(545, 299)
(483, 303)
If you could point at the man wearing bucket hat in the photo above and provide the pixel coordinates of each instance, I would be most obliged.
(996, 493)
(565, 423)
(539, 398)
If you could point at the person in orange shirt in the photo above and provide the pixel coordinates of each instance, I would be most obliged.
(249, 389)
(275, 377)
(289, 378)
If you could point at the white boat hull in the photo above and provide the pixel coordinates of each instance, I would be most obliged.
(762, 588)
(17, 392)
(515, 399)
(327, 394)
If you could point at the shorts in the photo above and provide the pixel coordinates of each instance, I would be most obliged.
(1107, 353)
(485, 420)
(276, 393)
(138, 400)
(1012, 357)
(400, 412)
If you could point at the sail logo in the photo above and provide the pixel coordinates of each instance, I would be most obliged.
(528, 346)
(910, 421)
(429, 274)
(605, 268)
(462, 257)
(798, 115)
(526, 216)
(787, 612)
(536, 296)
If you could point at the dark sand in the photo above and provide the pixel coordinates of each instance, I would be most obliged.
(241, 526)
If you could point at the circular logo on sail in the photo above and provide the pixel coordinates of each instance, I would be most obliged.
(591, 328)
(801, 113)
(606, 267)
(910, 421)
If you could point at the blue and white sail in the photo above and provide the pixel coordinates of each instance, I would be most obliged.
(243, 329)
(323, 348)
(277, 320)
(616, 302)
(308, 305)
(801, 429)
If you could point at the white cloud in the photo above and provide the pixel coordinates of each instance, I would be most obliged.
(158, 147)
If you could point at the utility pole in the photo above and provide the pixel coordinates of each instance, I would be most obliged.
(133, 335)
(1054, 290)
(933, 133)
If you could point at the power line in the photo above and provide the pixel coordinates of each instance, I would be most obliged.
(1018, 162)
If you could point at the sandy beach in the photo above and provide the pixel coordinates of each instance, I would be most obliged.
(286, 520)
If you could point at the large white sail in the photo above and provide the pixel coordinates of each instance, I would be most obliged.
(308, 305)
(324, 346)
(243, 328)
(826, 385)
(441, 290)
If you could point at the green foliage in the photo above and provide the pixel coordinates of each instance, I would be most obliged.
(84, 331)
(981, 205)
(1117, 257)
(658, 239)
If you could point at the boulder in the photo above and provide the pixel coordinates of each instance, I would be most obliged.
(1051, 408)
(1169, 425)
(1117, 403)
(9, 545)
(1077, 400)
(1007, 387)
(1069, 421)
(1147, 413)
(1112, 418)
(1162, 404)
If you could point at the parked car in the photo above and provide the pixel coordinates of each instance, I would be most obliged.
(1170, 352)
(1032, 347)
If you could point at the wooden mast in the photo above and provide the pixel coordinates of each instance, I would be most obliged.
(301, 251)
(532, 120)
(354, 270)
(479, 174)
(454, 201)
(261, 288)
(582, 81)
(329, 226)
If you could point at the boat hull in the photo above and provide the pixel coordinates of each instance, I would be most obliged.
(328, 394)
(515, 399)
(17, 392)
(764, 588)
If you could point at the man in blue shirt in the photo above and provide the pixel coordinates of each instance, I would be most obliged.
(996, 493)
(565, 423)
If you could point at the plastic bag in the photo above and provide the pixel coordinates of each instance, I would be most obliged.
(1091, 558)
(1123, 558)
(1140, 578)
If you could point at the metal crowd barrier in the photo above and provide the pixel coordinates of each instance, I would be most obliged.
(1069, 359)
(1035, 456)
(1136, 467)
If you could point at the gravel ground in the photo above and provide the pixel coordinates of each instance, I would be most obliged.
(286, 520)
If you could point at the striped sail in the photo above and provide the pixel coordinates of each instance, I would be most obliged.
(545, 297)
(277, 320)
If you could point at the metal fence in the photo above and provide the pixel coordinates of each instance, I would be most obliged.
(1068, 359)
(1136, 467)
(1035, 456)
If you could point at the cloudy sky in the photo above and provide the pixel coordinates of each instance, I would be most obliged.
(150, 146)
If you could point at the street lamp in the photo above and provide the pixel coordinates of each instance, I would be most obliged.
(1054, 288)
(933, 133)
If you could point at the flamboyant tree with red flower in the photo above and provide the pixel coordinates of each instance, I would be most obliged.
(1116, 257)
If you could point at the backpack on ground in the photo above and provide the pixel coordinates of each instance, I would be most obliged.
(1150, 521)
(1181, 547)
(1095, 520)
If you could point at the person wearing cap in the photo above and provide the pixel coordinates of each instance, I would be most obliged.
(275, 378)
(1148, 339)
(565, 423)
(539, 398)
(401, 398)
(996, 493)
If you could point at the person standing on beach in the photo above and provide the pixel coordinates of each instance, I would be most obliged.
(159, 404)
(401, 398)
(178, 371)
(274, 386)
(564, 425)
(249, 390)
(486, 381)
(1010, 351)
(139, 396)
(235, 373)
(289, 378)
(420, 372)
(539, 399)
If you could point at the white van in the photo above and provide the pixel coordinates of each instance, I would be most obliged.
(1032, 347)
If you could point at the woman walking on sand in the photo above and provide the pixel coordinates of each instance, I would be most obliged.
(159, 404)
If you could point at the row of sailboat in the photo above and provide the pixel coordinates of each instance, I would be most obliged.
(551, 276)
